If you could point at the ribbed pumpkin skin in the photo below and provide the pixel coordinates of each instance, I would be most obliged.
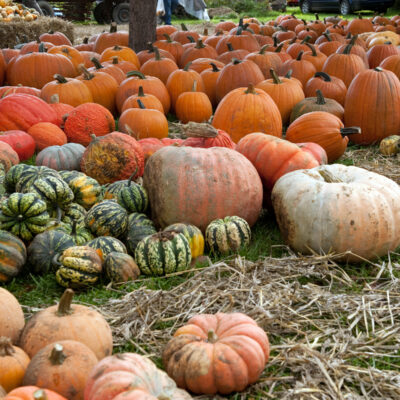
(337, 202)
(227, 352)
(31, 208)
(65, 157)
(78, 233)
(44, 247)
(13, 175)
(192, 234)
(136, 233)
(330, 86)
(12, 256)
(121, 267)
(30, 175)
(244, 111)
(13, 363)
(107, 218)
(133, 377)
(180, 180)
(133, 198)
(86, 190)
(378, 115)
(228, 235)
(80, 267)
(113, 157)
(163, 253)
(104, 245)
(273, 157)
(21, 111)
(322, 128)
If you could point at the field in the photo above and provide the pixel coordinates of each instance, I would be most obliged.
(334, 328)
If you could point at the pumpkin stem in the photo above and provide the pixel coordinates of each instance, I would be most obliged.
(157, 54)
(229, 46)
(211, 336)
(378, 69)
(54, 99)
(347, 49)
(42, 48)
(275, 76)
(200, 44)
(59, 78)
(141, 92)
(194, 87)
(298, 58)
(140, 104)
(167, 37)
(40, 395)
(250, 89)
(57, 356)
(279, 48)
(115, 60)
(6, 348)
(329, 177)
(320, 98)
(85, 40)
(87, 76)
(306, 39)
(139, 74)
(117, 48)
(289, 74)
(263, 49)
(96, 63)
(351, 130)
(191, 39)
(186, 68)
(113, 27)
(236, 61)
(353, 39)
(214, 67)
(328, 36)
(316, 16)
(323, 75)
(196, 129)
(184, 27)
(205, 32)
(313, 51)
(276, 41)
(64, 306)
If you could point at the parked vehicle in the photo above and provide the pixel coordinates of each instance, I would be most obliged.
(345, 7)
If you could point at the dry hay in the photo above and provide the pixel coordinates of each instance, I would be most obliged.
(370, 159)
(322, 331)
(13, 33)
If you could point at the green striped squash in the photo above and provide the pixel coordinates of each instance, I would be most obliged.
(78, 267)
(104, 245)
(111, 190)
(54, 191)
(78, 233)
(13, 175)
(163, 253)
(133, 198)
(139, 219)
(107, 218)
(135, 234)
(2, 179)
(12, 256)
(29, 176)
(67, 176)
(87, 191)
(74, 213)
(24, 215)
(193, 235)
(44, 247)
(228, 235)
(121, 267)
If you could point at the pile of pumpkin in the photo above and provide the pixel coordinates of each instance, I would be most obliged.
(12, 12)
(64, 353)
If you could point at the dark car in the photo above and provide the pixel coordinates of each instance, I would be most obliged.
(345, 7)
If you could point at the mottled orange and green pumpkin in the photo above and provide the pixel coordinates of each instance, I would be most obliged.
(104, 245)
(87, 190)
(113, 157)
(12, 256)
(121, 267)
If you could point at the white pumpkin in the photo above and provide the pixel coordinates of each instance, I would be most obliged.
(335, 208)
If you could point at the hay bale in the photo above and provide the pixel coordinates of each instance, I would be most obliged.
(13, 33)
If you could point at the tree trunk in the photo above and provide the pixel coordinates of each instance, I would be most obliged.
(142, 23)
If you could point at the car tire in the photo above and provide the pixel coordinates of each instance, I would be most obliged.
(121, 13)
(46, 8)
(345, 7)
(100, 14)
(305, 7)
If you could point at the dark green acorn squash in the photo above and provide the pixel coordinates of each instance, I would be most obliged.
(139, 219)
(121, 267)
(104, 245)
(107, 218)
(133, 198)
(24, 215)
(163, 253)
(74, 213)
(44, 247)
(78, 267)
(135, 234)
(228, 235)
(12, 256)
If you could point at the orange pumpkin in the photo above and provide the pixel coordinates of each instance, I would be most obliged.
(122, 52)
(173, 47)
(33, 393)
(228, 56)
(11, 316)
(380, 52)
(182, 35)
(265, 61)
(210, 77)
(330, 86)
(109, 39)
(2, 68)
(148, 100)
(46, 134)
(359, 25)
(301, 69)
(247, 110)
(71, 53)
(146, 55)
(110, 69)
(207, 340)
(56, 38)
(61, 109)
(200, 50)
(392, 63)
(202, 64)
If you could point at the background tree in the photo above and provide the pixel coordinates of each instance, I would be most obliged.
(142, 23)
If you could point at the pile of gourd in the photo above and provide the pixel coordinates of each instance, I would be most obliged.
(12, 12)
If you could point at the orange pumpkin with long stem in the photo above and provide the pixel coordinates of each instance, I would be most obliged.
(315, 57)
(265, 61)
(109, 69)
(148, 100)
(210, 77)
(202, 64)
(71, 53)
(330, 86)
(122, 52)
(173, 47)
(182, 35)
(301, 69)
(146, 55)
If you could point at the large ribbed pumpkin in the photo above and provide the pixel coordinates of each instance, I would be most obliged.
(247, 110)
(334, 208)
(196, 186)
(373, 104)
(273, 157)
(113, 157)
